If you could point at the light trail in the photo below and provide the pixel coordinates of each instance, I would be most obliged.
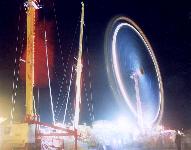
(16, 73)
(117, 72)
(50, 89)
(68, 96)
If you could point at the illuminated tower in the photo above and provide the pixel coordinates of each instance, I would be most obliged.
(31, 6)
(30, 58)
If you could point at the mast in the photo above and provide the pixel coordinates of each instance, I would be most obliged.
(32, 6)
(79, 72)
(30, 57)
(136, 78)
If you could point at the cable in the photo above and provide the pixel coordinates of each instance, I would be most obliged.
(68, 94)
(65, 64)
(91, 109)
(49, 84)
(16, 66)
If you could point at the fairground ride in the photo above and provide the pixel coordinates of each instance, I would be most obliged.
(28, 135)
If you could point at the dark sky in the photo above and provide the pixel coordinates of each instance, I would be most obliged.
(167, 25)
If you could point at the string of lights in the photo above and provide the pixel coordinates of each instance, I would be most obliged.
(16, 72)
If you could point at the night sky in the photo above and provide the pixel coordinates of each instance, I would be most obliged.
(167, 25)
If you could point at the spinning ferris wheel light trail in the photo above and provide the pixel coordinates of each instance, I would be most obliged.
(125, 43)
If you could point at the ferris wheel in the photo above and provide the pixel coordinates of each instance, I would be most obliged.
(133, 71)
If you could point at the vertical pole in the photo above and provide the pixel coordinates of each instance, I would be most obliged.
(78, 78)
(139, 107)
(30, 59)
(79, 73)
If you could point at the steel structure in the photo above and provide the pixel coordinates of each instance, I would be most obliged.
(31, 10)
(32, 132)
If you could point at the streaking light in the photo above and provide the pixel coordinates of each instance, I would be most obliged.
(116, 69)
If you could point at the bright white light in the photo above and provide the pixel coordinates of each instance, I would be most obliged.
(147, 122)
(117, 70)
(160, 128)
(124, 124)
(2, 119)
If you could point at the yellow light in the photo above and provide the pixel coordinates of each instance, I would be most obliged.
(2, 119)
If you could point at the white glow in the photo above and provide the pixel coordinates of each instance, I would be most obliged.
(122, 122)
(117, 71)
(125, 125)
(2, 119)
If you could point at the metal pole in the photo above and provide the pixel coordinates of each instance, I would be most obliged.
(78, 78)
(135, 77)
(79, 72)
(30, 58)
